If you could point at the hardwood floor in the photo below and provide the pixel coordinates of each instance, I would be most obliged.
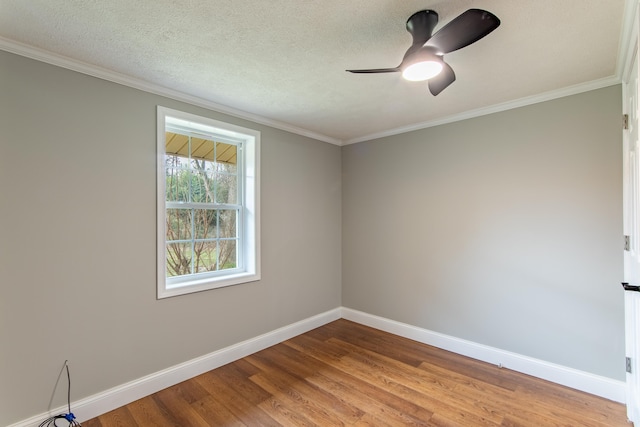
(347, 374)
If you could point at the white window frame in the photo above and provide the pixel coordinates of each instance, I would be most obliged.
(248, 269)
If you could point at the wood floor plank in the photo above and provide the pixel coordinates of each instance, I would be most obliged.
(321, 350)
(346, 374)
(409, 380)
(370, 420)
(242, 408)
(535, 391)
(506, 405)
(299, 402)
(435, 399)
(374, 401)
(235, 376)
(179, 410)
(414, 353)
(365, 394)
(146, 411)
(93, 422)
(215, 412)
(120, 417)
(277, 379)
(284, 415)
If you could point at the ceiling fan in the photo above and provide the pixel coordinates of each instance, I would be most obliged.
(424, 58)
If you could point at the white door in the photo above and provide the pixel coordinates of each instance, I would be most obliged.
(631, 189)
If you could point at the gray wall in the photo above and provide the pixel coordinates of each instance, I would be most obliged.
(77, 260)
(505, 230)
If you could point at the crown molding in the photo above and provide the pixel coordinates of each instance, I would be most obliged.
(41, 55)
(496, 108)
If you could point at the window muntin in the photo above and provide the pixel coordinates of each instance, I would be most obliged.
(208, 218)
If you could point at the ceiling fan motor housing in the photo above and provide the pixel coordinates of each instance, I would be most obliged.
(421, 25)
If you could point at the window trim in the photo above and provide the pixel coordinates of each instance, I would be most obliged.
(249, 229)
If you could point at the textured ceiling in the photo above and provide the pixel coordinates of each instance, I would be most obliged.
(284, 60)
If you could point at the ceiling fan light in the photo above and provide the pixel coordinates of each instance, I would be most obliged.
(423, 70)
(421, 64)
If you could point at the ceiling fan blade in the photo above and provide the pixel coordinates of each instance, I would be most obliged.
(438, 83)
(375, 70)
(467, 28)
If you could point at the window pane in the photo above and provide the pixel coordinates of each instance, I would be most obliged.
(226, 158)
(228, 255)
(202, 187)
(177, 144)
(205, 221)
(177, 185)
(226, 188)
(198, 164)
(203, 149)
(175, 160)
(178, 259)
(205, 256)
(179, 224)
(227, 223)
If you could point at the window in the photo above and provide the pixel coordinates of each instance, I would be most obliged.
(208, 204)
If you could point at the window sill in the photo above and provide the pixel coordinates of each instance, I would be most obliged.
(200, 285)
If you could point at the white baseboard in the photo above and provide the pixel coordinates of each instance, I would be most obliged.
(579, 380)
(116, 397)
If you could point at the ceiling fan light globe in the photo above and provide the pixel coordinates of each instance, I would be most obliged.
(423, 70)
